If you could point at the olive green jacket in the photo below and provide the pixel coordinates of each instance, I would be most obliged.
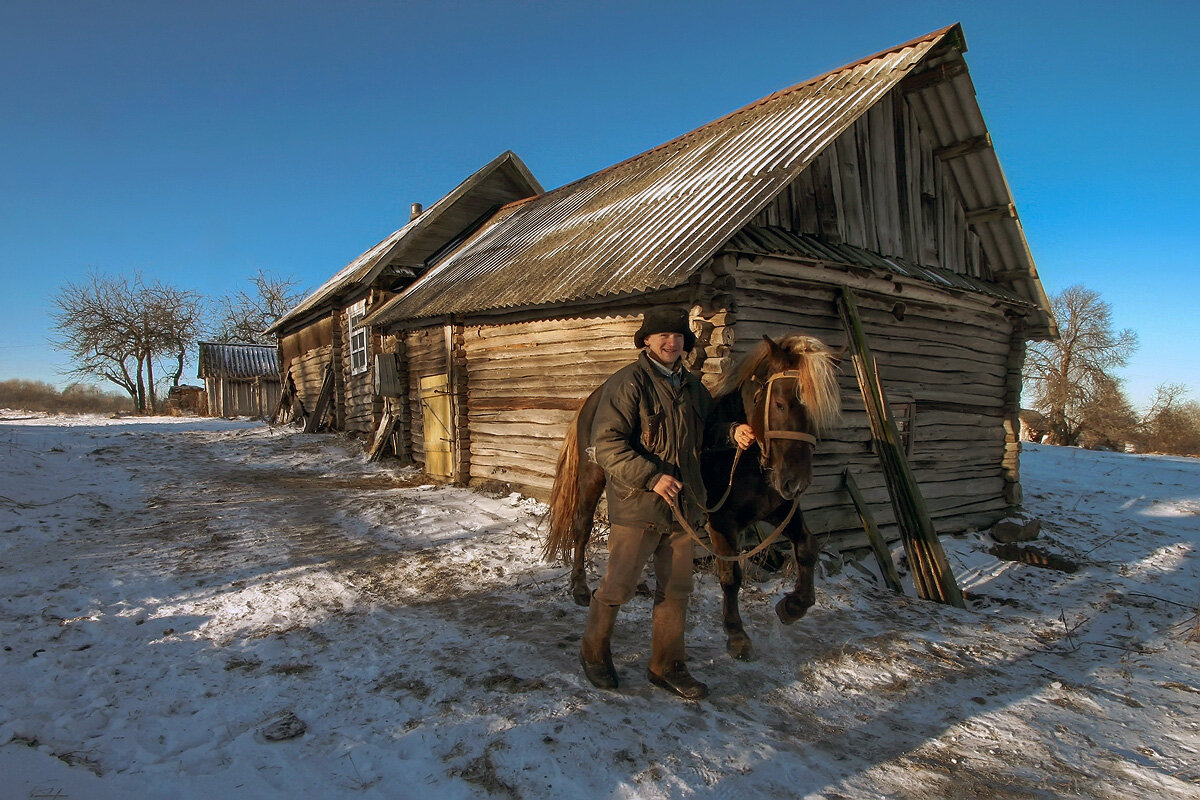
(644, 428)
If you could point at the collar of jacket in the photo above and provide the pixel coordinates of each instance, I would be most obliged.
(673, 375)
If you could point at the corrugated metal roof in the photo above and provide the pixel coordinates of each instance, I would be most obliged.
(238, 361)
(648, 222)
(420, 235)
(770, 240)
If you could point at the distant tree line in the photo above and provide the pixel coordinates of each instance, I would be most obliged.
(1071, 382)
(76, 398)
(138, 334)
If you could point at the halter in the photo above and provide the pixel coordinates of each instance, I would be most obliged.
(768, 433)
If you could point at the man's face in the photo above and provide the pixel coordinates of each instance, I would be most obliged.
(665, 348)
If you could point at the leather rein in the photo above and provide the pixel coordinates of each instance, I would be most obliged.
(768, 435)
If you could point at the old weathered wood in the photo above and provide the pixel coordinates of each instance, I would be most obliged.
(931, 572)
(883, 556)
(387, 426)
(322, 404)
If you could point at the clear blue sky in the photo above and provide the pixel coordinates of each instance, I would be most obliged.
(199, 142)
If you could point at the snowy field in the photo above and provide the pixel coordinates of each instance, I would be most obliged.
(201, 608)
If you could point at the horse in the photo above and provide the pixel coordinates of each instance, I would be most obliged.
(787, 391)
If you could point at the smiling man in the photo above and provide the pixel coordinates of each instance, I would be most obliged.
(647, 435)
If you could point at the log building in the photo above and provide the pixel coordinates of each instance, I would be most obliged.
(325, 331)
(879, 176)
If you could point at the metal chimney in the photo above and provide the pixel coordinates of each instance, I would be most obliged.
(415, 212)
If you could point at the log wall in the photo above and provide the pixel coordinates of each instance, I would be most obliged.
(951, 357)
(307, 370)
(882, 187)
(525, 383)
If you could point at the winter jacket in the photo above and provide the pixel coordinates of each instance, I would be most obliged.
(644, 428)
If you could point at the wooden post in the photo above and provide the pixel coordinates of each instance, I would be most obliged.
(931, 573)
(883, 556)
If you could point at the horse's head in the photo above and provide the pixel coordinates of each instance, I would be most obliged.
(791, 397)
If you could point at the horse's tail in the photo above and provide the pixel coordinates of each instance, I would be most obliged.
(564, 499)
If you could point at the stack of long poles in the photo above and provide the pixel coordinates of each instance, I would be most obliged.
(931, 573)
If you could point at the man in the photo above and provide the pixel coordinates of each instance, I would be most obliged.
(647, 434)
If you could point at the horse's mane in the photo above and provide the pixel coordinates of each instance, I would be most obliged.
(818, 388)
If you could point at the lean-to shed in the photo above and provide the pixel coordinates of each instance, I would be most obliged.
(240, 380)
(880, 176)
(325, 329)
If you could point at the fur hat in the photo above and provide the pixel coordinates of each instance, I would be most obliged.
(666, 320)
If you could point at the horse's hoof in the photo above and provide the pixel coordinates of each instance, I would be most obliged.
(741, 648)
(790, 609)
(582, 595)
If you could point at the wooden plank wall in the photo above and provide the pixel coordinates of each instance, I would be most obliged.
(525, 383)
(951, 357)
(426, 351)
(880, 186)
(307, 370)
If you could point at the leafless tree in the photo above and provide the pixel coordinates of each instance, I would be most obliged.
(116, 328)
(242, 316)
(1172, 422)
(1071, 376)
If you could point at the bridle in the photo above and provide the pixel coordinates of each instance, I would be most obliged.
(768, 433)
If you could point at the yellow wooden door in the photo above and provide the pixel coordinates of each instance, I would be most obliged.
(439, 427)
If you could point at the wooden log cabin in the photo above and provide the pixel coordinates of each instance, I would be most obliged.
(879, 176)
(326, 330)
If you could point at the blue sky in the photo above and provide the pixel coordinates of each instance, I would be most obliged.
(199, 143)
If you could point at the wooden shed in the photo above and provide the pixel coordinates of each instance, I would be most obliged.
(879, 176)
(325, 334)
(240, 380)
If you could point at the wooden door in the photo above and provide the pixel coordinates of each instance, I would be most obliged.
(439, 427)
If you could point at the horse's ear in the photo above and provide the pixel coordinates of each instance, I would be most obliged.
(775, 353)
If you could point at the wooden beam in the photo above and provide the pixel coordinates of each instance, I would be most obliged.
(992, 213)
(883, 556)
(964, 148)
(919, 81)
(931, 572)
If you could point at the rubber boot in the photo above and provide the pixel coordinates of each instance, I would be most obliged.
(668, 663)
(595, 654)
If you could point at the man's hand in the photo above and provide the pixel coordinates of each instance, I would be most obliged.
(668, 488)
(743, 436)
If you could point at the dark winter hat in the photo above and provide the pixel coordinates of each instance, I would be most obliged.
(666, 320)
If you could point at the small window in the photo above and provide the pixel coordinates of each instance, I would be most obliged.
(358, 337)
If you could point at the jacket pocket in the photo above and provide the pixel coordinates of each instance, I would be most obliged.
(652, 423)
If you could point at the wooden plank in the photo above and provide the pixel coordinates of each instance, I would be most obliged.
(931, 572)
(883, 556)
(322, 404)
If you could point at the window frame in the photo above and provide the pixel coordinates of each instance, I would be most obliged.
(359, 337)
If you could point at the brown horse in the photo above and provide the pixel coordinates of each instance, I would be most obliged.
(787, 391)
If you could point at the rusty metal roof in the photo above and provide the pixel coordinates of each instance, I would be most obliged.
(649, 222)
(771, 240)
(504, 178)
(238, 361)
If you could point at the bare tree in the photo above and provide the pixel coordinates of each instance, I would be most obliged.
(242, 316)
(1071, 375)
(116, 328)
(1172, 422)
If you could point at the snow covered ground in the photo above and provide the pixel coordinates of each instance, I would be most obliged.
(176, 595)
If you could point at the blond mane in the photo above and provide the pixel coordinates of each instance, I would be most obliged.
(818, 387)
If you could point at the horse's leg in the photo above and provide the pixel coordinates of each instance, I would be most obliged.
(738, 643)
(796, 603)
(591, 485)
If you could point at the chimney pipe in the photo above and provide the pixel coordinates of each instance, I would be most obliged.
(415, 211)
